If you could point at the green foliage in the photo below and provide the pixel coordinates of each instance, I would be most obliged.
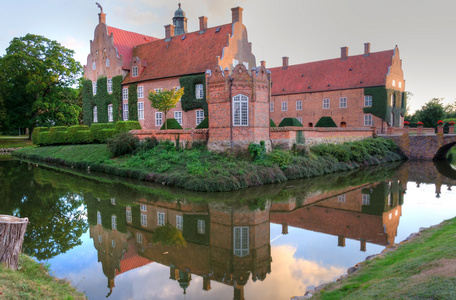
(203, 124)
(36, 134)
(165, 100)
(171, 124)
(133, 102)
(123, 143)
(326, 122)
(102, 99)
(168, 236)
(147, 144)
(271, 123)
(290, 122)
(36, 85)
(189, 100)
(280, 157)
(98, 135)
(87, 102)
(58, 135)
(431, 112)
(116, 98)
(257, 151)
(379, 102)
(76, 137)
(123, 126)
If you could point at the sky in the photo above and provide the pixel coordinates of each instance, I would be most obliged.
(303, 30)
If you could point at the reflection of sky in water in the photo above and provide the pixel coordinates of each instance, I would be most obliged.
(300, 259)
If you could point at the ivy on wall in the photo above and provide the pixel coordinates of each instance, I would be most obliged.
(132, 103)
(87, 102)
(117, 98)
(381, 104)
(102, 99)
(188, 100)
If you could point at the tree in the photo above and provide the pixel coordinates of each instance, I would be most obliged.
(37, 76)
(431, 112)
(165, 100)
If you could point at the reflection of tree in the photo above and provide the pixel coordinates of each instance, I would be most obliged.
(169, 236)
(56, 223)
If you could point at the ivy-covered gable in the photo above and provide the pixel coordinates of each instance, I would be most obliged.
(382, 106)
(188, 100)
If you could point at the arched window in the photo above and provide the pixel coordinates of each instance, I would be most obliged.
(343, 124)
(94, 66)
(95, 114)
(240, 110)
(107, 62)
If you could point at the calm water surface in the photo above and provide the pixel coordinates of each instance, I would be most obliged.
(130, 240)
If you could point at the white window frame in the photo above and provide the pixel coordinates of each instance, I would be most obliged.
(199, 91)
(94, 87)
(284, 105)
(142, 207)
(178, 117)
(180, 222)
(95, 114)
(240, 110)
(299, 105)
(110, 85)
(367, 100)
(343, 102)
(341, 198)
(143, 220)
(114, 222)
(160, 218)
(125, 111)
(158, 119)
(326, 103)
(394, 82)
(140, 110)
(201, 227)
(199, 116)
(139, 238)
(271, 106)
(113, 201)
(368, 120)
(110, 113)
(125, 94)
(140, 92)
(98, 218)
(107, 62)
(134, 72)
(129, 216)
(366, 199)
(241, 241)
(400, 84)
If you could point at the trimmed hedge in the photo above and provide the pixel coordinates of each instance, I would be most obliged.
(290, 122)
(125, 126)
(171, 124)
(271, 123)
(76, 137)
(36, 134)
(203, 124)
(96, 131)
(326, 122)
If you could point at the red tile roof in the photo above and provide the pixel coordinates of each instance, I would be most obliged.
(131, 260)
(334, 74)
(189, 53)
(124, 41)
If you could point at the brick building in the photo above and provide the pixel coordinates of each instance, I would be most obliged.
(359, 91)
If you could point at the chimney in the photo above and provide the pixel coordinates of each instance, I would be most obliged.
(102, 18)
(206, 284)
(237, 14)
(169, 32)
(367, 49)
(284, 62)
(263, 63)
(343, 53)
(363, 245)
(203, 23)
(284, 228)
(341, 241)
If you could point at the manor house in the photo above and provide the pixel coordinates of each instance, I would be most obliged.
(360, 91)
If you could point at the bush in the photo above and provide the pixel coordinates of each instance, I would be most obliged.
(290, 122)
(171, 124)
(147, 144)
(203, 124)
(124, 126)
(123, 143)
(74, 137)
(43, 138)
(326, 122)
(271, 123)
(257, 151)
(96, 134)
(281, 158)
(36, 134)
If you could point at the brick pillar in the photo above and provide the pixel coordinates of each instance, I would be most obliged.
(451, 129)
(363, 245)
(406, 130)
(340, 241)
(440, 129)
(419, 130)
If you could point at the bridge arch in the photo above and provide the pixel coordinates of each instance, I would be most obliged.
(442, 151)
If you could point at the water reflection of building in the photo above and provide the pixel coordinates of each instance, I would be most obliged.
(230, 244)
(368, 213)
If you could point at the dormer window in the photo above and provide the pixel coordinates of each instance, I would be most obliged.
(134, 72)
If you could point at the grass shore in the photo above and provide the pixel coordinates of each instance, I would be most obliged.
(422, 268)
(14, 142)
(201, 170)
(32, 281)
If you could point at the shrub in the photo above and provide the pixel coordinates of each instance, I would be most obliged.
(257, 151)
(123, 143)
(171, 124)
(43, 138)
(290, 122)
(271, 123)
(326, 122)
(36, 134)
(95, 131)
(147, 144)
(75, 138)
(203, 124)
(123, 126)
(281, 158)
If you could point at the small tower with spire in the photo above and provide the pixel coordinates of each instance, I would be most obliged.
(180, 22)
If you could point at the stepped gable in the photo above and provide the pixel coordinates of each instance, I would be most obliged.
(124, 41)
(334, 74)
(185, 54)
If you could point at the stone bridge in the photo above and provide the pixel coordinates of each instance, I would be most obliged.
(424, 147)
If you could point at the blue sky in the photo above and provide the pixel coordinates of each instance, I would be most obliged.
(304, 30)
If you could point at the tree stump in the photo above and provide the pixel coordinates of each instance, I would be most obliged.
(12, 232)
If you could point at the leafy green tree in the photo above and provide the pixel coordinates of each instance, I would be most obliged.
(450, 110)
(37, 76)
(431, 112)
(165, 100)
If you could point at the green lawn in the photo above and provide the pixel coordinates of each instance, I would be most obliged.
(14, 142)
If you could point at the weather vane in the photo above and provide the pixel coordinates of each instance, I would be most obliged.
(101, 7)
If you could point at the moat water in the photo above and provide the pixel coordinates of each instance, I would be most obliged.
(125, 239)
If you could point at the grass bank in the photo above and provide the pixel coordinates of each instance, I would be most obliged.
(14, 142)
(32, 281)
(201, 170)
(423, 268)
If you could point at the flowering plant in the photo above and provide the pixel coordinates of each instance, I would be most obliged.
(406, 123)
(440, 122)
(420, 123)
(451, 123)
